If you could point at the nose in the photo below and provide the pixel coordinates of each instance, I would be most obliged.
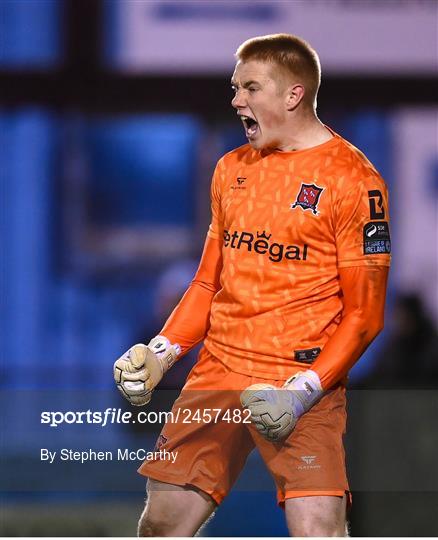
(238, 101)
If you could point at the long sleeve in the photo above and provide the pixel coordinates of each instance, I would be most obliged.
(363, 289)
(190, 320)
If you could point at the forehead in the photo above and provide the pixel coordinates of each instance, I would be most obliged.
(253, 70)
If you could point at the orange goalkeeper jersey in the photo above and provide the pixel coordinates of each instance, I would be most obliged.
(288, 221)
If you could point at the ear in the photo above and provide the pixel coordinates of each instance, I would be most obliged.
(294, 96)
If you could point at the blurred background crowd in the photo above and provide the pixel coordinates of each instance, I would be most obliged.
(112, 116)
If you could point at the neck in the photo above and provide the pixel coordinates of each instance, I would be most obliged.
(304, 131)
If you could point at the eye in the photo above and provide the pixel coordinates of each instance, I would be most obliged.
(252, 88)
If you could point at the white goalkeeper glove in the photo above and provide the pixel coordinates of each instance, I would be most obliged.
(275, 411)
(142, 367)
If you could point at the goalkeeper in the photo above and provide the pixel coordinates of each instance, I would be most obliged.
(289, 292)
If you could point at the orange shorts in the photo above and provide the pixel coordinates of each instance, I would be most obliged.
(213, 438)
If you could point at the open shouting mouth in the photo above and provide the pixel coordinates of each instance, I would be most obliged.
(251, 126)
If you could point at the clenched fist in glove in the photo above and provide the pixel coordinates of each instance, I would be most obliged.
(142, 367)
(275, 411)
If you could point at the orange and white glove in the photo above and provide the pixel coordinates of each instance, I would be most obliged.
(141, 368)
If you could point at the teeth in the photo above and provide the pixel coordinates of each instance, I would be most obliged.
(250, 124)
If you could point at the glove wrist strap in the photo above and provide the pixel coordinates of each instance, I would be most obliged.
(166, 352)
(307, 387)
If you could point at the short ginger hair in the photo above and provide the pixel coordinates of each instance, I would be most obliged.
(291, 54)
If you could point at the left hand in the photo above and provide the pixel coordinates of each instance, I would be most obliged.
(275, 411)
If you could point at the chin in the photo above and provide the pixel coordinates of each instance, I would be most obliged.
(257, 145)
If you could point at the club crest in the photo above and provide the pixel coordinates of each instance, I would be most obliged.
(308, 197)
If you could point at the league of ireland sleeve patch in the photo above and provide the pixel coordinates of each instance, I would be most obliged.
(376, 238)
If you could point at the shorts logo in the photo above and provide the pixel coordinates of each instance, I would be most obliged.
(309, 463)
(308, 198)
(161, 441)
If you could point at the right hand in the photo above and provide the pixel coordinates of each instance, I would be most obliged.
(141, 368)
